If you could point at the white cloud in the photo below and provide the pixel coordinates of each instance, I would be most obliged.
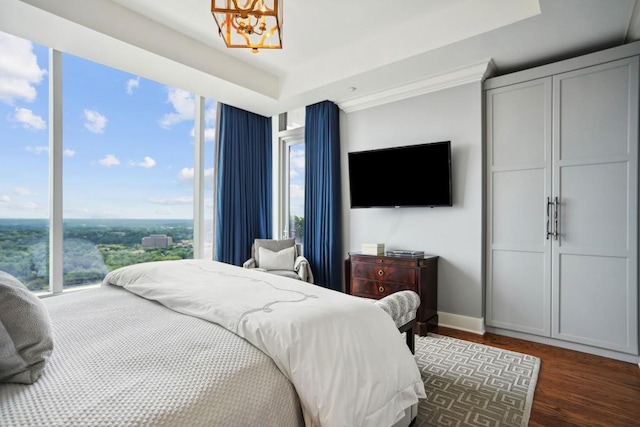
(39, 149)
(148, 162)
(208, 173)
(29, 120)
(6, 201)
(94, 121)
(109, 160)
(132, 84)
(182, 200)
(210, 113)
(23, 191)
(186, 175)
(296, 191)
(84, 212)
(183, 103)
(209, 134)
(296, 164)
(297, 159)
(19, 70)
(26, 206)
(165, 211)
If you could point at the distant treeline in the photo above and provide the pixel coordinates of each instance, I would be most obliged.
(89, 251)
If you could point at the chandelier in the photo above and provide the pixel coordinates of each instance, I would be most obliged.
(253, 24)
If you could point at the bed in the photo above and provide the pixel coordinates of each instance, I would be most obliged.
(195, 342)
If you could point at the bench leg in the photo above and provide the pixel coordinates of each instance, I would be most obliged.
(409, 329)
(411, 340)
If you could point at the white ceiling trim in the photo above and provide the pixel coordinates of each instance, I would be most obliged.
(469, 74)
(633, 29)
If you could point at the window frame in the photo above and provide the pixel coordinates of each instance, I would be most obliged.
(287, 139)
(56, 259)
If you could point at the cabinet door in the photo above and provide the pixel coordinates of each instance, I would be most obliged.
(519, 182)
(595, 150)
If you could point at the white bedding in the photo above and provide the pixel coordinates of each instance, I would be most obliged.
(122, 361)
(345, 357)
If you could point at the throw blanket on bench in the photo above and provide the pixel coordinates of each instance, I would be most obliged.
(344, 355)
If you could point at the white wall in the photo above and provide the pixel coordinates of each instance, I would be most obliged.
(453, 233)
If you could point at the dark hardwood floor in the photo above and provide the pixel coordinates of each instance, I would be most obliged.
(573, 389)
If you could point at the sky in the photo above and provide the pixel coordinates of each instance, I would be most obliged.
(296, 180)
(127, 140)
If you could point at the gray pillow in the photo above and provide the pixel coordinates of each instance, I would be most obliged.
(25, 333)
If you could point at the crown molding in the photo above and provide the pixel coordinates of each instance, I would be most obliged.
(457, 77)
(633, 29)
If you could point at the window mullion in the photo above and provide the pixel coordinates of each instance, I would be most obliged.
(55, 173)
(216, 146)
(198, 179)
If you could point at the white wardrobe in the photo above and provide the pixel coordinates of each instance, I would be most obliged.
(562, 203)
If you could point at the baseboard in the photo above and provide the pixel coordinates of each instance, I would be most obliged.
(475, 325)
(610, 354)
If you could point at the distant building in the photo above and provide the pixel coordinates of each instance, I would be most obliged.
(157, 241)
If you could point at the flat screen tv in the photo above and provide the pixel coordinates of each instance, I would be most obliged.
(407, 176)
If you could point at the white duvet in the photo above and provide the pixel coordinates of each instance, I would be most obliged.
(345, 357)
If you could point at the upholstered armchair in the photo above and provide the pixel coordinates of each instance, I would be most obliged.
(281, 257)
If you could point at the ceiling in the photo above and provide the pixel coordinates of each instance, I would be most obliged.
(350, 52)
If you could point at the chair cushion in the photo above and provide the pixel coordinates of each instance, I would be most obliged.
(25, 333)
(280, 260)
(272, 245)
(285, 273)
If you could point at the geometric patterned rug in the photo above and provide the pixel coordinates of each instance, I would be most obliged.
(471, 384)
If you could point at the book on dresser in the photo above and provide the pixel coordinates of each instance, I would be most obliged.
(405, 252)
(376, 276)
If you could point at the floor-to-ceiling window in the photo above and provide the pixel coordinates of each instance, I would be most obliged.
(24, 161)
(128, 170)
(127, 164)
(295, 186)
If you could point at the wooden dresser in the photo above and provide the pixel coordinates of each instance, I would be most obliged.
(376, 276)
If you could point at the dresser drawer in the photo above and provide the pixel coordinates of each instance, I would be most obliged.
(375, 289)
(380, 272)
(387, 261)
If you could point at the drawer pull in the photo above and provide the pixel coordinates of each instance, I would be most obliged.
(381, 289)
(380, 272)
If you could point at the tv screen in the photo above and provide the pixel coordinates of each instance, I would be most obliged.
(413, 175)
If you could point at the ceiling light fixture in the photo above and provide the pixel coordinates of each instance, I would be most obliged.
(253, 24)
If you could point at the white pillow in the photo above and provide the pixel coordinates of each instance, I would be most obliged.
(281, 260)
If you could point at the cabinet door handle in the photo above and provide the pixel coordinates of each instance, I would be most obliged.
(556, 203)
(381, 272)
(548, 217)
(381, 289)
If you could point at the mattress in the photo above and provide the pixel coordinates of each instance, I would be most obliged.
(122, 360)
